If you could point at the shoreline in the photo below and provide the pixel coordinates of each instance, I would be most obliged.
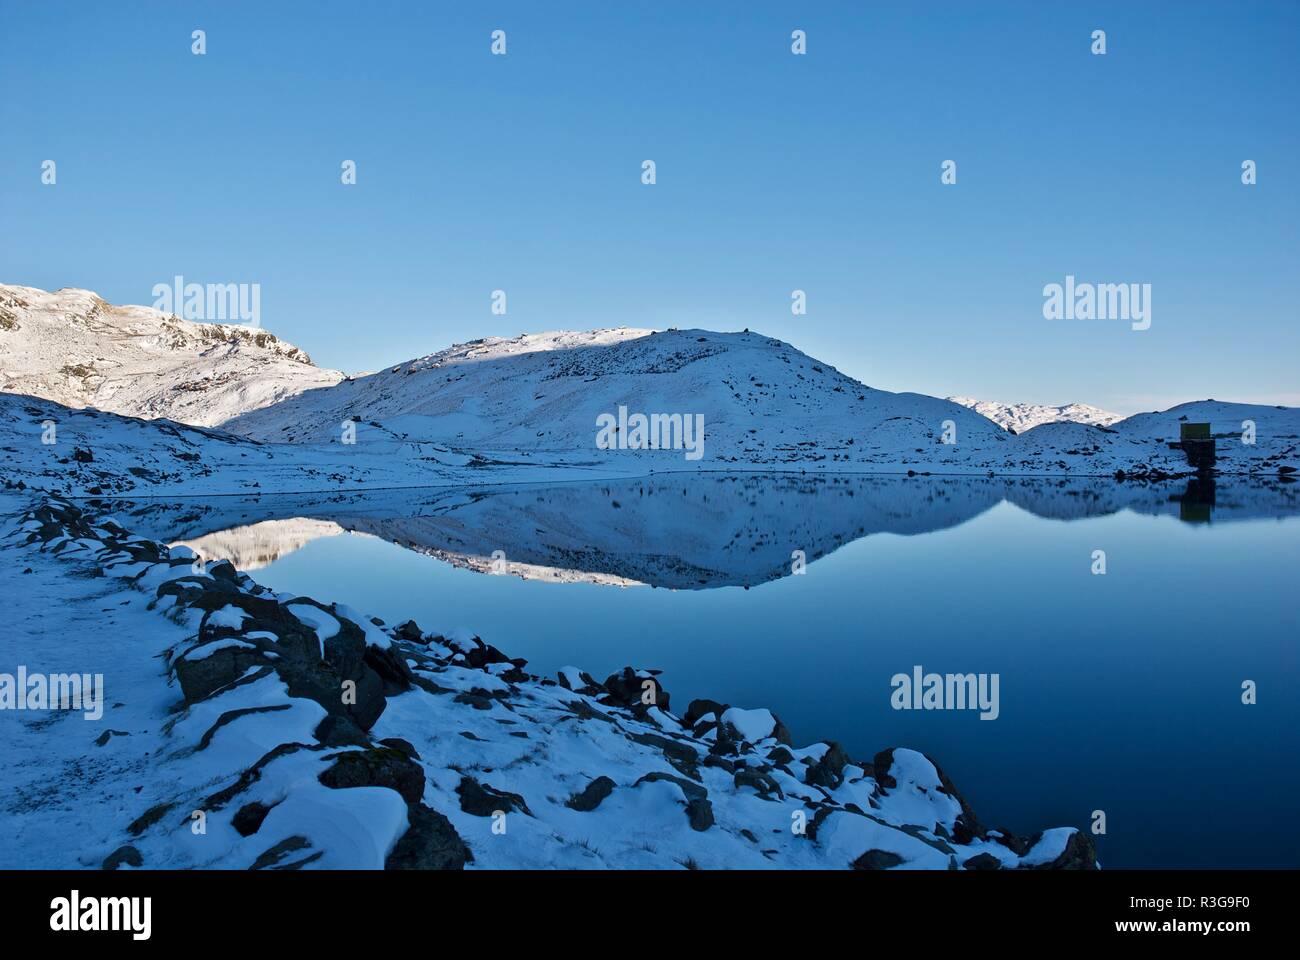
(424, 766)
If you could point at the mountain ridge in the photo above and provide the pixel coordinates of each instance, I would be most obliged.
(1019, 417)
(74, 348)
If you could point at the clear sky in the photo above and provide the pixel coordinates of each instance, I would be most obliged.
(775, 172)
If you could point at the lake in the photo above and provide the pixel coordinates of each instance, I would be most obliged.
(1119, 692)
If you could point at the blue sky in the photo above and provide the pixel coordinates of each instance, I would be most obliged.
(775, 172)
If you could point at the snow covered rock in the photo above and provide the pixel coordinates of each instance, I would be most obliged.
(72, 347)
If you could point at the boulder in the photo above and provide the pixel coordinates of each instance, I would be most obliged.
(591, 796)
(480, 800)
(377, 767)
(429, 843)
(628, 687)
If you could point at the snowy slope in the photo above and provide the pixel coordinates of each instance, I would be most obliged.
(223, 703)
(1019, 417)
(102, 454)
(95, 453)
(75, 349)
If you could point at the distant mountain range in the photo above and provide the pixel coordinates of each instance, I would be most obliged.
(1019, 417)
(72, 347)
(567, 404)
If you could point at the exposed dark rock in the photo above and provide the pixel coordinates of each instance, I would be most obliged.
(588, 684)
(125, 854)
(781, 756)
(877, 860)
(983, 861)
(476, 700)
(684, 758)
(590, 798)
(405, 746)
(1017, 845)
(480, 800)
(828, 771)
(391, 668)
(377, 767)
(274, 858)
(692, 790)
(248, 819)
(628, 687)
(699, 811)
(429, 843)
(760, 780)
(409, 631)
(338, 730)
(701, 708)
(199, 679)
(147, 819)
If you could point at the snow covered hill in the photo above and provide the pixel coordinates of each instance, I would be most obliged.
(46, 446)
(102, 454)
(1019, 417)
(761, 402)
(75, 349)
(607, 403)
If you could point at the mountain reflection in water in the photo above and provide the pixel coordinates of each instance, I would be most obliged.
(679, 531)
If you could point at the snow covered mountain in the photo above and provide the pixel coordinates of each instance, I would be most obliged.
(1019, 417)
(607, 403)
(759, 402)
(72, 347)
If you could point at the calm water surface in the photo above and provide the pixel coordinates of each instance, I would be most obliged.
(1120, 693)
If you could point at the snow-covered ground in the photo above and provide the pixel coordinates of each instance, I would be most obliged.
(72, 347)
(94, 454)
(102, 453)
(246, 729)
(1019, 417)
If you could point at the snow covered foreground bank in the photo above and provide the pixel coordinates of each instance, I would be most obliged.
(225, 708)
